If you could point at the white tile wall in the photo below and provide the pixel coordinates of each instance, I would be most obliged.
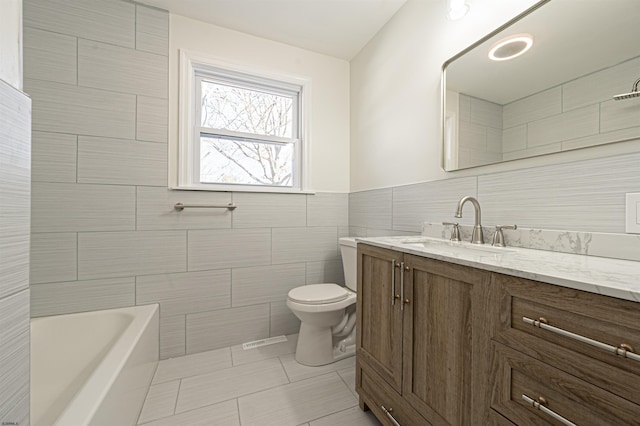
(120, 69)
(257, 210)
(371, 209)
(14, 264)
(304, 244)
(172, 336)
(263, 284)
(229, 248)
(534, 107)
(80, 296)
(130, 253)
(185, 293)
(14, 358)
(62, 207)
(53, 157)
(325, 272)
(121, 162)
(102, 210)
(53, 257)
(152, 30)
(152, 119)
(435, 200)
(569, 125)
(50, 56)
(155, 209)
(227, 327)
(65, 108)
(15, 182)
(107, 21)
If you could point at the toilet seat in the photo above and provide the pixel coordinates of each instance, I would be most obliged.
(318, 294)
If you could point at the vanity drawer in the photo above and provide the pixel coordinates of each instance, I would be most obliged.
(377, 394)
(568, 327)
(522, 381)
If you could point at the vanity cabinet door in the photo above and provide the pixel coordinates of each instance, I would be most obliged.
(446, 341)
(379, 336)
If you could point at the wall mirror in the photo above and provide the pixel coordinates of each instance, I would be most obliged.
(556, 96)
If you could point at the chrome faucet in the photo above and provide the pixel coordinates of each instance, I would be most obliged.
(477, 237)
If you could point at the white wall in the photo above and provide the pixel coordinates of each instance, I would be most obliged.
(395, 96)
(330, 89)
(11, 42)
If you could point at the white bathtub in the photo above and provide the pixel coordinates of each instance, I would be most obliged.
(92, 368)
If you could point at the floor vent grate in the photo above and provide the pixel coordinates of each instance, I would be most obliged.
(264, 342)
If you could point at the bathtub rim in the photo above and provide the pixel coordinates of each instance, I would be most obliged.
(86, 402)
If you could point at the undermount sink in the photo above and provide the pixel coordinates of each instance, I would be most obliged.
(453, 247)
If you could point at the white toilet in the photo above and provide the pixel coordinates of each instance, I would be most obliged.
(328, 314)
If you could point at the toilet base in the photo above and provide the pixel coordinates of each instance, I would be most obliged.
(315, 346)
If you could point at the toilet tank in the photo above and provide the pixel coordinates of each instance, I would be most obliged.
(349, 263)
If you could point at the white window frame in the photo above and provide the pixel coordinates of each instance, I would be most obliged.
(185, 169)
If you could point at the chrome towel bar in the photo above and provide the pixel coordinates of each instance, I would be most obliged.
(181, 206)
(624, 349)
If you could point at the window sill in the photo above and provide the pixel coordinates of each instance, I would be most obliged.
(243, 189)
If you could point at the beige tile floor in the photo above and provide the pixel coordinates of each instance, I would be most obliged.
(262, 386)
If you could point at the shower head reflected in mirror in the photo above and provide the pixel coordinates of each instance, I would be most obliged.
(633, 94)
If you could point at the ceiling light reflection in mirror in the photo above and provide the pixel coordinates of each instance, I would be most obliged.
(556, 97)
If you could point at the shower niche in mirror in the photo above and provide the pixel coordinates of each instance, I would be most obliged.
(556, 96)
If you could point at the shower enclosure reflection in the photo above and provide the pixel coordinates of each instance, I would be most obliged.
(556, 97)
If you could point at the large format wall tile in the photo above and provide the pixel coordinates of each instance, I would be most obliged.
(229, 248)
(431, 202)
(327, 209)
(262, 284)
(124, 254)
(569, 125)
(371, 209)
(283, 321)
(62, 207)
(579, 196)
(14, 264)
(53, 157)
(50, 56)
(152, 30)
(532, 108)
(152, 119)
(325, 272)
(107, 21)
(155, 209)
(172, 336)
(53, 257)
(615, 115)
(15, 161)
(120, 69)
(14, 358)
(64, 108)
(291, 245)
(121, 162)
(219, 329)
(81, 296)
(257, 210)
(186, 293)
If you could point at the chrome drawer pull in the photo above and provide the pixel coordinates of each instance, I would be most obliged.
(624, 349)
(388, 413)
(402, 286)
(539, 404)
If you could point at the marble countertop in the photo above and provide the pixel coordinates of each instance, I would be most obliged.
(610, 277)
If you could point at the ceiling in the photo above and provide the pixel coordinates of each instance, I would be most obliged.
(339, 28)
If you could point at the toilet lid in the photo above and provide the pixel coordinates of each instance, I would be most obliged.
(317, 294)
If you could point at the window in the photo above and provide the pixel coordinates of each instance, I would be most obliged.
(241, 130)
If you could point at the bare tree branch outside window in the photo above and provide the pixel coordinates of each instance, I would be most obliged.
(235, 160)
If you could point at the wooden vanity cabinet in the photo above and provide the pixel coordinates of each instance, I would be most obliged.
(583, 384)
(423, 349)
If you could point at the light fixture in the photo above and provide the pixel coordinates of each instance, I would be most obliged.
(456, 9)
(511, 47)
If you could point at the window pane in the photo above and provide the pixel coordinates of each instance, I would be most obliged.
(244, 110)
(234, 161)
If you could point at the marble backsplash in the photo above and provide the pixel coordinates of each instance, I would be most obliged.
(615, 246)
